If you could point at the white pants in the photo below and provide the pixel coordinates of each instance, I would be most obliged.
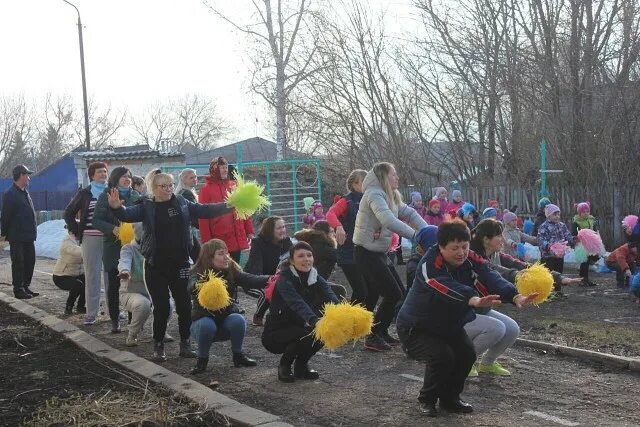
(493, 333)
(93, 272)
(140, 308)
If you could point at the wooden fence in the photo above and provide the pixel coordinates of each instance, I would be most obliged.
(609, 202)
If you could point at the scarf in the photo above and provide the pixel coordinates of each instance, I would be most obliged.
(124, 192)
(97, 188)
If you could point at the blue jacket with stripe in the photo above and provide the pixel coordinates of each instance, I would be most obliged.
(438, 301)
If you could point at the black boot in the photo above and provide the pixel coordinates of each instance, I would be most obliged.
(240, 359)
(201, 365)
(285, 375)
(68, 310)
(301, 370)
(186, 351)
(158, 352)
(20, 293)
(30, 292)
(429, 409)
(457, 406)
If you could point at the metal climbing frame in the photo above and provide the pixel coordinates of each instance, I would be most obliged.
(286, 182)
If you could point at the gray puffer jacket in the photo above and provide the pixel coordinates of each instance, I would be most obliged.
(375, 215)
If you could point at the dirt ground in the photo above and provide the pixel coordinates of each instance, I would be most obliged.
(358, 387)
(47, 380)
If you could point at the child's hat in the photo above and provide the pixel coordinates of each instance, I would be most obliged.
(456, 193)
(489, 212)
(427, 236)
(543, 202)
(583, 207)
(509, 216)
(433, 202)
(550, 209)
(466, 209)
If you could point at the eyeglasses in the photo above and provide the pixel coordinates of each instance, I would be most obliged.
(167, 186)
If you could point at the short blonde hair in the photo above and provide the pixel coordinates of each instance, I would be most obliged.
(156, 177)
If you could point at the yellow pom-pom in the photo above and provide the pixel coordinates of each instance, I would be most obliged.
(212, 293)
(536, 278)
(247, 198)
(342, 323)
(125, 233)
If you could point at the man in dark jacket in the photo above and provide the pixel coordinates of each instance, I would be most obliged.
(19, 229)
(451, 283)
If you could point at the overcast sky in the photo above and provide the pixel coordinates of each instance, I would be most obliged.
(136, 52)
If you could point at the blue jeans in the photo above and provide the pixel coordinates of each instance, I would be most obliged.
(205, 332)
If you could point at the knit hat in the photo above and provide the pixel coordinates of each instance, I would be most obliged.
(455, 194)
(583, 207)
(550, 209)
(116, 174)
(509, 216)
(489, 213)
(466, 209)
(433, 202)
(427, 236)
(438, 190)
(543, 202)
(415, 196)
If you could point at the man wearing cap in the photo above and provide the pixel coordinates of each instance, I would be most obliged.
(18, 227)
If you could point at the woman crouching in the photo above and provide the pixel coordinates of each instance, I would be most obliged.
(299, 295)
(225, 324)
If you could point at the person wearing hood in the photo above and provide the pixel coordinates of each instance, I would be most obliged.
(381, 214)
(434, 215)
(440, 194)
(540, 216)
(68, 273)
(455, 203)
(342, 217)
(135, 297)
(316, 214)
(105, 221)
(468, 214)
(425, 238)
(584, 220)
(296, 306)
(78, 215)
(513, 236)
(236, 233)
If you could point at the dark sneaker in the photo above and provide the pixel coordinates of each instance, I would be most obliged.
(456, 406)
(21, 294)
(374, 343)
(388, 338)
(429, 409)
(30, 292)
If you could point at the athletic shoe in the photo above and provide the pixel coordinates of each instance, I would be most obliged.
(89, 321)
(494, 369)
(132, 340)
(473, 372)
(373, 342)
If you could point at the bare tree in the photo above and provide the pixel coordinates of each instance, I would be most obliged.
(285, 36)
(16, 129)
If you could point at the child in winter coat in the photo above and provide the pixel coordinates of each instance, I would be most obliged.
(490, 213)
(133, 290)
(456, 202)
(434, 213)
(584, 220)
(68, 273)
(495, 204)
(468, 214)
(417, 204)
(553, 231)
(623, 260)
(540, 217)
(440, 194)
(317, 214)
(513, 236)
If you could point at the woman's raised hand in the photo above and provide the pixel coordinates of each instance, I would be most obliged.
(114, 199)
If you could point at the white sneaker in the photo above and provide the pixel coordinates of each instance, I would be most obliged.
(132, 340)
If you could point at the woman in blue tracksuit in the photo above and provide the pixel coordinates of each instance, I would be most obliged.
(451, 283)
(166, 244)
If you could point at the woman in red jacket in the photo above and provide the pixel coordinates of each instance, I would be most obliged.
(235, 233)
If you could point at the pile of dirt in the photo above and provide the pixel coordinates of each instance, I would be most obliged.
(47, 380)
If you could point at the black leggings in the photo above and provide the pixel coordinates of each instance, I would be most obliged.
(357, 283)
(160, 279)
(584, 267)
(554, 264)
(75, 286)
(113, 294)
(293, 342)
(381, 281)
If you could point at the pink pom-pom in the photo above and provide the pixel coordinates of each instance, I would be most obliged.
(629, 222)
(559, 248)
(590, 240)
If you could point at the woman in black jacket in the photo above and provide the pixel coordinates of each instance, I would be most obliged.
(225, 324)
(298, 297)
(78, 215)
(166, 243)
(264, 257)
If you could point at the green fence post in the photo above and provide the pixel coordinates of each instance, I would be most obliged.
(294, 184)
